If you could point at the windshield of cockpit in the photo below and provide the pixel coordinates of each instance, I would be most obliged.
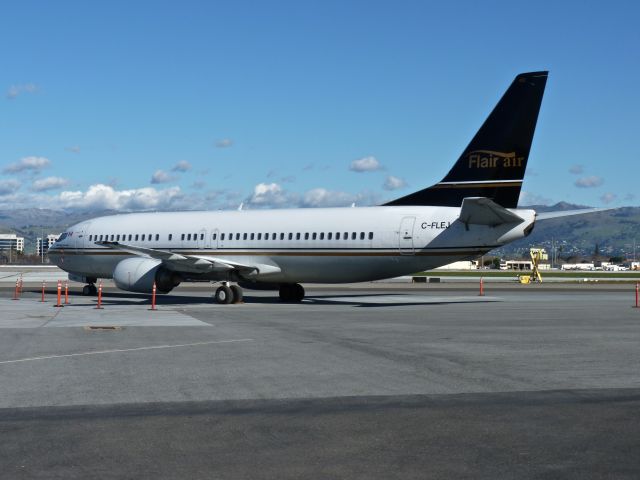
(61, 240)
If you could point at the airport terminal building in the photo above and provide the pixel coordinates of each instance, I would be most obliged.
(48, 241)
(10, 241)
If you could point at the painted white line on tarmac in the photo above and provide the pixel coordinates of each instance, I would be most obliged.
(103, 352)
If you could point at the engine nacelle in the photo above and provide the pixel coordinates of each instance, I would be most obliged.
(138, 275)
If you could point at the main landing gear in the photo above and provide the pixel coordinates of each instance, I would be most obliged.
(228, 294)
(291, 292)
(89, 290)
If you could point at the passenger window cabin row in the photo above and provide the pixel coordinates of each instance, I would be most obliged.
(297, 236)
(131, 237)
(229, 237)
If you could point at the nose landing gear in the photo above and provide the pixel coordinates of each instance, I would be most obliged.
(89, 290)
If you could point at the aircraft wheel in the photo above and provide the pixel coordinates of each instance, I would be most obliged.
(89, 290)
(291, 292)
(223, 295)
(236, 292)
(285, 292)
(298, 292)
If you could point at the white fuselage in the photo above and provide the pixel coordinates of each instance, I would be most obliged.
(324, 245)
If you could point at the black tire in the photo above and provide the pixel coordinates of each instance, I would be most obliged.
(297, 292)
(285, 292)
(93, 289)
(223, 295)
(86, 291)
(291, 292)
(236, 291)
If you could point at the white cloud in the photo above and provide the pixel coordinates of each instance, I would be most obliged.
(608, 197)
(102, 196)
(160, 176)
(576, 169)
(49, 183)
(224, 143)
(34, 164)
(7, 187)
(269, 194)
(394, 183)
(589, 182)
(15, 90)
(181, 166)
(272, 195)
(321, 197)
(528, 198)
(366, 164)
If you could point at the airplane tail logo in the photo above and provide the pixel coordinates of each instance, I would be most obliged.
(494, 162)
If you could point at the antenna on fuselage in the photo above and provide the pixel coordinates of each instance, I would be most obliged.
(241, 205)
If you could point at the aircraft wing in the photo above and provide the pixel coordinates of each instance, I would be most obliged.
(191, 263)
(484, 211)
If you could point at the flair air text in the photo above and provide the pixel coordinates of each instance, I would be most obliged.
(491, 159)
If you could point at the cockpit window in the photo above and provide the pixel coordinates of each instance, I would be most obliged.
(62, 237)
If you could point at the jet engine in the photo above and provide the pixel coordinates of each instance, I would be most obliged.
(138, 275)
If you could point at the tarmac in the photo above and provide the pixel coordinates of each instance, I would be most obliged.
(357, 381)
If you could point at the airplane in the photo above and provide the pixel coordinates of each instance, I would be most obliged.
(471, 211)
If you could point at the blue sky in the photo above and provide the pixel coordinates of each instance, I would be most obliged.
(163, 105)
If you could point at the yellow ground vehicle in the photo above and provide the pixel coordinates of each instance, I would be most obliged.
(536, 254)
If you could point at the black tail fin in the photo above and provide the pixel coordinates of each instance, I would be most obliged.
(493, 164)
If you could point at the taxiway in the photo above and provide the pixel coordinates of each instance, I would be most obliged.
(386, 381)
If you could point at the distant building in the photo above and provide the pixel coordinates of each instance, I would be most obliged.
(578, 266)
(522, 265)
(10, 241)
(49, 240)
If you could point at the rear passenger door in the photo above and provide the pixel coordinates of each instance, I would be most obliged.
(406, 235)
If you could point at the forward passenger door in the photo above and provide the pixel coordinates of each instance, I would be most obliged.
(202, 239)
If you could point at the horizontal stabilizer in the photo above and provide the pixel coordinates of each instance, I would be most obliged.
(484, 211)
(568, 213)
